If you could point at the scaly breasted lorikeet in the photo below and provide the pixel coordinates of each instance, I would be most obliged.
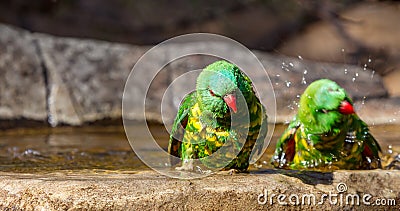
(326, 133)
(203, 123)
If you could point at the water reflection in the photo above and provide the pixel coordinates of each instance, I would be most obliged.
(107, 149)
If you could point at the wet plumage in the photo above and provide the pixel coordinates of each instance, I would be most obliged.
(203, 123)
(326, 133)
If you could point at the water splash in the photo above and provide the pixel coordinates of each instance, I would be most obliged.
(303, 80)
(285, 67)
(363, 100)
(288, 83)
(372, 74)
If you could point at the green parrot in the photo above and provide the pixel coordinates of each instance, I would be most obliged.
(326, 133)
(203, 124)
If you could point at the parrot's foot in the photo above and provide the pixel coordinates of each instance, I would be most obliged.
(395, 163)
(231, 172)
(201, 171)
(187, 165)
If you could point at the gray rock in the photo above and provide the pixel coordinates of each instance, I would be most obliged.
(86, 78)
(22, 83)
(148, 190)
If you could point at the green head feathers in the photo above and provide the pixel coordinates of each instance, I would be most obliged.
(324, 104)
(217, 87)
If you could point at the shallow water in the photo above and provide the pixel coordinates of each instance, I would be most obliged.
(105, 149)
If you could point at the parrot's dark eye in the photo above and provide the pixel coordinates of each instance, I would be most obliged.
(333, 90)
(211, 92)
(322, 110)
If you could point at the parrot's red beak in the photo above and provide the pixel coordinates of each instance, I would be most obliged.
(230, 100)
(346, 107)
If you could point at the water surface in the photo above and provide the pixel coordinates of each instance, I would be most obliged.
(102, 149)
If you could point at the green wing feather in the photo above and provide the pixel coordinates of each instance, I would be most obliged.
(261, 131)
(285, 147)
(178, 128)
(371, 148)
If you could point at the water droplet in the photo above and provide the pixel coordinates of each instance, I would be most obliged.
(356, 74)
(369, 60)
(390, 150)
(303, 81)
(291, 64)
(305, 72)
(298, 96)
(363, 100)
(353, 79)
(288, 83)
(300, 57)
(345, 71)
(372, 73)
(342, 49)
(285, 66)
(278, 75)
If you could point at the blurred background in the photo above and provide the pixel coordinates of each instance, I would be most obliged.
(65, 51)
(63, 61)
(313, 29)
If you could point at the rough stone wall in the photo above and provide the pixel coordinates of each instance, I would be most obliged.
(57, 80)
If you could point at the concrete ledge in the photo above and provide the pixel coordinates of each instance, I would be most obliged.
(148, 190)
